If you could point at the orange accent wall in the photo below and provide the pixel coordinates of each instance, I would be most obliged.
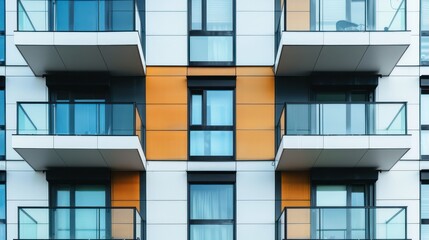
(295, 189)
(255, 113)
(125, 189)
(167, 111)
(298, 15)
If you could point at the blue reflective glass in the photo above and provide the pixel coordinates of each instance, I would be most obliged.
(196, 109)
(211, 143)
(211, 48)
(2, 143)
(2, 15)
(219, 108)
(212, 232)
(2, 49)
(2, 201)
(2, 107)
(219, 15)
(425, 232)
(197, 22)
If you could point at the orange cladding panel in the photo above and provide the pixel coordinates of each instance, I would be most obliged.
(168, 90)
(125, 186)
(211, 71)
(255, 144)
(166, 71)
(255, 90)
(257, 117)
(167, 117)
(167, 145)
(295, 189)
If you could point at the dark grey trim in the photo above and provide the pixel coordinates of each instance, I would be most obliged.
(345, 80)
(344, 175)
(78, 176)
(424, 176)
(211, 177)
(211, 82)
(97, 79)
(2, 177)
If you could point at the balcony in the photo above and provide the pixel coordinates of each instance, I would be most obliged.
(343, 223)
(332, 36)
(348, 135)
(81, 36)
(85, 134)
(80, 223)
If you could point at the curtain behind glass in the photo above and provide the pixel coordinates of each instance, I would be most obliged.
(212, 232)
(212, 202)
(219, 108)
(219, 15)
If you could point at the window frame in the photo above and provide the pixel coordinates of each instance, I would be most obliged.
(203, 126)
(204, 33)
(423, 127)
(212, 178)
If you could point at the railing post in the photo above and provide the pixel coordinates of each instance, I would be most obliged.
(285, 120)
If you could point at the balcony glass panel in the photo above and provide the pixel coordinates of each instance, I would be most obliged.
(120, 119)
(76, 15)
(345, 15)
(345, 118)
(342, 223)
(89, 223)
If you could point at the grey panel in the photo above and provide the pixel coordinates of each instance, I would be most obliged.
(382, 159)
(297, 60)
(82, 157)
(41, 159)
(340, 157)
(82, 58)
(42, 59)
(298, 159)
(123, 60)
(339, 58)
(123, 159)
(381, 59)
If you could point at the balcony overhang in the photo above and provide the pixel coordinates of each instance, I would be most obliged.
(306, 152)
(118, 53)
(42, 152)
(304, 53)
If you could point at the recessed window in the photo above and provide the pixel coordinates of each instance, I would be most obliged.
(212, 124)
(211, 213)
(211, 34)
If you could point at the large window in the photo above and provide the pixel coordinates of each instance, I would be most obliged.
(211, 33)
(3, 210)
(424, 36)
(424, 214)
(424, 121)
(211, 124)
(211, 213)
(2, 124)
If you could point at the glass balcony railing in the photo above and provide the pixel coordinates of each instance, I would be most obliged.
(342, 223)
(80, 223)
(79, 15)
(83, 118)
(368, 118)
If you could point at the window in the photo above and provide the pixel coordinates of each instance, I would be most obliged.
(2, 125)
(211, 33)
(211, 206)
(211, 124)
(424, 36)
(424, 211)
(2, 33)
(424, 121)
(3, 210)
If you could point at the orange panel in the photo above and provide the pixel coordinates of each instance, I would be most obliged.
(125, 186)
(166, 90)
(135, 204)
(296, 186)
(255, 90)
(298, 5)
(166, 117)
(167, 145)
(298, 21)
(295, 204)
(166, 71)
(255, 71)
(259, 117)
(255, 145)
(211, 71)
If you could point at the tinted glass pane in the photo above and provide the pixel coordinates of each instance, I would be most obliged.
(424, 15)
(424, 106)
(425, 201)
(211, 201)
(90, 196)
(197, 104)
(425, 232)
(219, 108)
(2, 143)
(2, 48)
(331, 12)
(2, 106)
(211, 143)
(219, 15)
(211, 49)
(197, 15)
(424, 142)
(2, 202)
(331, 196)
(424, 44)
(212, 232)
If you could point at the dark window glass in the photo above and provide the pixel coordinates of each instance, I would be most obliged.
(424, 212)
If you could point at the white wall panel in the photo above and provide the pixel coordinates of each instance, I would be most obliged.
(167, 232)
(13, 56)
(412, 55)
(255, 231)
(18, 187)
(166, 5)
(167, 50)
(255, 50)
(255, 5)
(399, 89)
(167, 212)
(167, 23)
(413, 208)
(166, 186)
(11, 154)
(254, 212)
(398, 185)
(255, 23)
(25, 89)
(255, 186)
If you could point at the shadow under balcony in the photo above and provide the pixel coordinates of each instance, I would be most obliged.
(108, 135)
(341, 135)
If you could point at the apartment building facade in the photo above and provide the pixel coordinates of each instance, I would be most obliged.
(214, 119)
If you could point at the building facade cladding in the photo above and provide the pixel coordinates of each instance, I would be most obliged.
(173, 178)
